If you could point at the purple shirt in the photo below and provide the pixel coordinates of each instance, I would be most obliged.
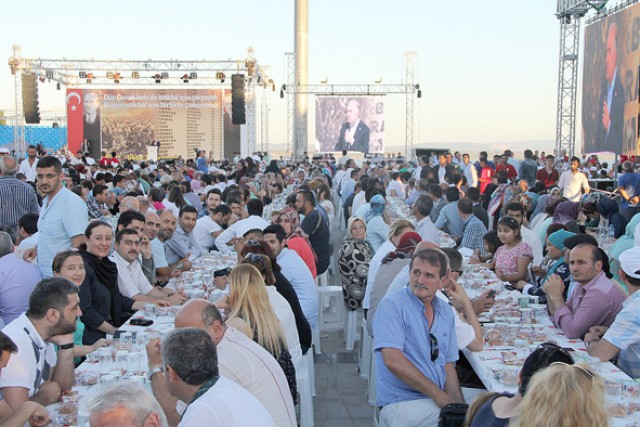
(593, 304)
(17, 280)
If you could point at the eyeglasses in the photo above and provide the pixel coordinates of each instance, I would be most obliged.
(257, 258)
(435, 350)
(252, 243)
(584, 370)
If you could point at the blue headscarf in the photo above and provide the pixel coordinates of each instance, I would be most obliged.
(376, 207)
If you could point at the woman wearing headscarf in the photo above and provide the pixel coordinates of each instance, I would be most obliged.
(377, 228)
(567, 213)
(297, 240)
(273, 167)
(353, 261)
(555, 251)
(389, 269)
(630, 239)
(546, 200)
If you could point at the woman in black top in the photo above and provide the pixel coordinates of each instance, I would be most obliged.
(495, 409)
(103, 307)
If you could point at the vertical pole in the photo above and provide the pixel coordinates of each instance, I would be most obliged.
(301, 49)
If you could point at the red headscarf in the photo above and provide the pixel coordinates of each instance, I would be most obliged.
(407, 245)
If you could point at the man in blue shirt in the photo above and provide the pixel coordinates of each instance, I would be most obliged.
(416, 348)
(63, 217)
(629, 189)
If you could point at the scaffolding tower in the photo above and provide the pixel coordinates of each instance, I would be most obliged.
(569, 13)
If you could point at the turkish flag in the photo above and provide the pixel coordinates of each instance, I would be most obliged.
(75, 123)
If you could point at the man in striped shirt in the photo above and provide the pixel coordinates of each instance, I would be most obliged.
(473, 229)
(17, 198)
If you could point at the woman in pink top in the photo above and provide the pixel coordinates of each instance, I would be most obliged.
(296, 239)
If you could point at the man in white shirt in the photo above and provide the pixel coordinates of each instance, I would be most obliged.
(132, 282)
(424, 226)
(125, 404)
(295, 270)
(225, 240)
(239, 358)
(28, 165)
(396, 187)
(470, 171)
(573, 182)
(210, 226)
(516, 211)
(36, 372)
(190, 362)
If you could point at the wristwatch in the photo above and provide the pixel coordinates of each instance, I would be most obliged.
(153, 371)
(67, 346)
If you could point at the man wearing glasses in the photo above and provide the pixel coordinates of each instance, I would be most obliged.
(416, 348)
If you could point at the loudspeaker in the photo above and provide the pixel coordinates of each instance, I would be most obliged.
(30, 103)
(238, 113)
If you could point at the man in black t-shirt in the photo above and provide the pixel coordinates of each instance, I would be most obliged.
(315, 226)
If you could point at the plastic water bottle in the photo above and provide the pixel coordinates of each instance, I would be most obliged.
(612, 233)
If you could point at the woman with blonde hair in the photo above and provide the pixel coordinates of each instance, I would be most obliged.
(252, 314)
(280, 305)
(563, 395)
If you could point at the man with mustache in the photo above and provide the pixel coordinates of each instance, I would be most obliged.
(415, 346)
(132, 282)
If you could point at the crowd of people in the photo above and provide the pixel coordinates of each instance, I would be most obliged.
(84, 243)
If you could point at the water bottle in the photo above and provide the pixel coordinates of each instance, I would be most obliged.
(612, 233)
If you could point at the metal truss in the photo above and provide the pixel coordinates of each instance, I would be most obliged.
(569, 13)
(355, 89)
(291, 100)
(410, 59)
(264, 121)
(142, 72)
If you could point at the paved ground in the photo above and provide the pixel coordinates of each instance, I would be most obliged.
(341, 395)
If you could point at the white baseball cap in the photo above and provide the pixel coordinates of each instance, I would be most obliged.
(4, 150)
(630, 262)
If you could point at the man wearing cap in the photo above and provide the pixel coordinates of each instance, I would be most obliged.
(622, 338)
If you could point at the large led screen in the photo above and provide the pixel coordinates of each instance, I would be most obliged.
(128, 120)
(610, 83)
(350, 123)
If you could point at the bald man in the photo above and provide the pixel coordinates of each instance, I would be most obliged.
(129, 203)
(239, 359)
(354, 134)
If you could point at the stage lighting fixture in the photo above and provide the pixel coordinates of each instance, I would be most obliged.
(49, 74)
(157, 77)
(164, 75)
(220, 76)
(116, 78)
(419, 94)
(89, 77)
(185, 78)
(281, 93)
(324, 80)
(283, 88)
(42, 79)
(135, 75)
(193, 76)
(110, 75)
(377, 80)
(82, 74)
(58, 86)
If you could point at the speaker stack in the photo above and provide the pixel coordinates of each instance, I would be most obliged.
(30, 99)
(238, 113)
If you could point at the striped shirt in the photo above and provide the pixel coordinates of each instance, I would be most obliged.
(473, 232)
(17, 198)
